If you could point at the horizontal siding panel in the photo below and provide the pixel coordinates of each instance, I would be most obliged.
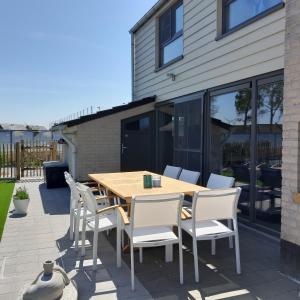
(208, 71)
(212, 54)
(260, 68)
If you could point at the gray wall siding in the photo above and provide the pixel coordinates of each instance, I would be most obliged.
(255, 49)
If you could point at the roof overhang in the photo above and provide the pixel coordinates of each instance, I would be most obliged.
(148, 15)
(103, 113)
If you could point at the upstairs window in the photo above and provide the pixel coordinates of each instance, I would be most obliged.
(238, 12)
(171, 34)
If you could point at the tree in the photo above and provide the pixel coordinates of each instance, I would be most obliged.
(271, 97)
(243, 105)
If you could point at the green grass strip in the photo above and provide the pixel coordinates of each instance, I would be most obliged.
(6, 191)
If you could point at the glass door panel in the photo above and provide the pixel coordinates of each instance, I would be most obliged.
(188, 135)
(269, 154)
(230, 135)
(165, 136)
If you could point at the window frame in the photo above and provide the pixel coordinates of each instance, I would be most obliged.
(226, 31)
(160, 64)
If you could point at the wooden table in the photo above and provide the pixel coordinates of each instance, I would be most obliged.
(126, 185)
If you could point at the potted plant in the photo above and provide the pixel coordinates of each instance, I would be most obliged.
(21, 201)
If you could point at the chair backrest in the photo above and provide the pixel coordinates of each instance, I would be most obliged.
(156, 210)
(171, 171)
(216, 181)
(215, 204)
(89, 200)
(75, 195)
(189, 176)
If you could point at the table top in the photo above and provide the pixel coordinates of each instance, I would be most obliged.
(126, 185)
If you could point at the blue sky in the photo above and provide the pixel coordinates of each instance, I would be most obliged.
(58, 57)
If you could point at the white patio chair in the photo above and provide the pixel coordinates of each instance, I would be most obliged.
(96, 219)
(189, 176)
(151, 225)
(75, 205)
(77, 210)
(208, 208)
(171, 171)
(216, 181)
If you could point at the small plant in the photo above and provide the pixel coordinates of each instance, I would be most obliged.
(21, 193)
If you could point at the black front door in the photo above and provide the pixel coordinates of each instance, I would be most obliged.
(138, 143)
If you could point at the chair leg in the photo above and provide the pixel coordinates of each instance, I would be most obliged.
(95, 248)
(122, 238)
(132, 266)
(119, 237)
(213, 247)
(83, 238)
(71, 225)
(77, 224)
(180, 261)
(141, 255)
(195, 252)
(237, 249)
(230, 238)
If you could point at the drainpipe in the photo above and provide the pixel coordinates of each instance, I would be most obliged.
(132, 65)
(72, 147)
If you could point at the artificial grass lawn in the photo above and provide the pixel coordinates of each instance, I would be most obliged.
(6, 190)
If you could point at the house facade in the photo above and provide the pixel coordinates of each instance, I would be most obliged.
(226, 76)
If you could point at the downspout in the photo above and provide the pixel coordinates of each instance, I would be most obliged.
(73, 152)
(132, 65)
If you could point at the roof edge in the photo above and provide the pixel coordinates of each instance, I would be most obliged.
(104, 113)
(155, 8)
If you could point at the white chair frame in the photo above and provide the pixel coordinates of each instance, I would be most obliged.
(216, 181)
(98, 220)
(139, 222)
(211, 206)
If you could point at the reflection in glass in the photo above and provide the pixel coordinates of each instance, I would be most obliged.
(173, 50)
(165, 136)
(239, 11)
(269, 152)
(187, 135)
(230, 139)
(179, 18)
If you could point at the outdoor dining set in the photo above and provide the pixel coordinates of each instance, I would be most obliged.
(154, 213)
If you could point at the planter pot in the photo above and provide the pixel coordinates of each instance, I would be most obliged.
(21, 206)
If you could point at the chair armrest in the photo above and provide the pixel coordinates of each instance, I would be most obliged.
(102, 210)
(185, 214)
(90, 183)
(123, 215)
(100, 198)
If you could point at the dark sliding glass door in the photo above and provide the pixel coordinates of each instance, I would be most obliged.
(179, 133)
(245, 141)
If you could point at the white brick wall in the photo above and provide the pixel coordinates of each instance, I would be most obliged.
(290, 229)
(98, 143)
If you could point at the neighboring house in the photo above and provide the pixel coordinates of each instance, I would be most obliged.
(12, 133)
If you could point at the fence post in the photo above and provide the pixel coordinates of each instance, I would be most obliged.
(22, 158)
(18, 161)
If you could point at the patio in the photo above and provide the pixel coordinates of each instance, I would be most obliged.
(43, 234)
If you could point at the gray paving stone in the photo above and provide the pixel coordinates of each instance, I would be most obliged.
(43, 234)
